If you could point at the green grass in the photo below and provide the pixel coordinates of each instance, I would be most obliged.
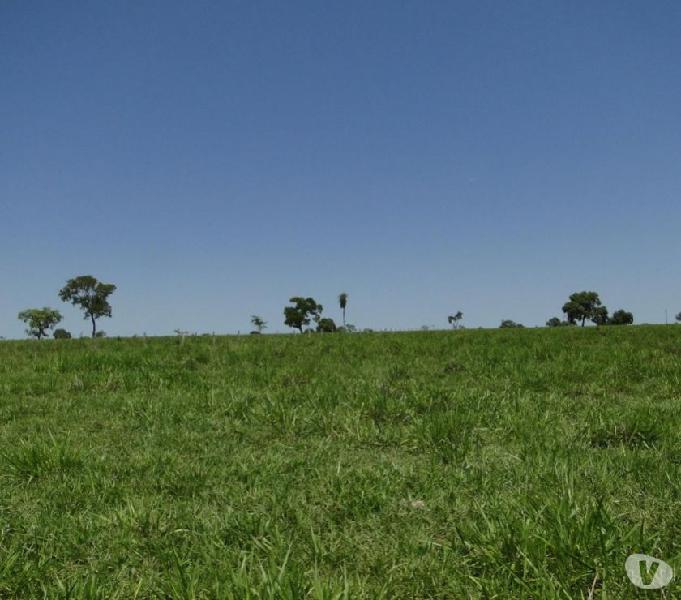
(471, 464)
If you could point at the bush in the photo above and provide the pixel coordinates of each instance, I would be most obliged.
(61, 334)
(508, 324)
(621, 317)
(326, 325)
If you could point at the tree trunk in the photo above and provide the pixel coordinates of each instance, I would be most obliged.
(344, 316)
(94, 326)
(583, 321)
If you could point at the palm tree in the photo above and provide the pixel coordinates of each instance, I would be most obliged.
(343, 302)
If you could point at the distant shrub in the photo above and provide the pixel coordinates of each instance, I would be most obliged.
(326, 325)
(556, 322)
(621, 317)
(509, 324)
(61, 334)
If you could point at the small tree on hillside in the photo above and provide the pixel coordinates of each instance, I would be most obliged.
(454, 320)
(259, 323)
(61, 334)
(582, 306)
(621, 317)
(303, 311)
(90, 295)
(39, 320)
(326, 325)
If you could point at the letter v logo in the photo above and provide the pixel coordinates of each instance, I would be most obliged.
(647, 572)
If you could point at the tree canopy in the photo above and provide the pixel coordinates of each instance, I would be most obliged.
(303, 311)
(90, 295)
(621, 317)
(326, 325)
(39, 320)
(583, 306)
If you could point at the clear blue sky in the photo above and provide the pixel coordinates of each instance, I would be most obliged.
(214, 158)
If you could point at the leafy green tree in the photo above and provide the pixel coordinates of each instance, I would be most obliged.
(39, 320)
(90, 295)
(343, 303)
(259, 323)
(61, 334)
(582, 306)
(303, 311)
(509, 324)
(600, 316)
(678, 317)
(326, 325)
(454, 320)
(621, 317)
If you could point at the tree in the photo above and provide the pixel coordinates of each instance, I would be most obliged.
(259, 323)
(90, 295)
(326, 325)
(621, 317)
(61, 334)
(582, 306)
(39, 320)
(453, 320)
(600, 316)
(343, 302)
(303, 311)
(678, 317)
(509, 324)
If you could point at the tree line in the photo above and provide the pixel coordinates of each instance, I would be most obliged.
(85, 292)
(303, 314)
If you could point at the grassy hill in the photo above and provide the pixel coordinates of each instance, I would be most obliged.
(481, 464)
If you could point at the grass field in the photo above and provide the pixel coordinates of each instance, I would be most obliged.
(469, 464)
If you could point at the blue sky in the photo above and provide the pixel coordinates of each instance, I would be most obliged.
(213, 159)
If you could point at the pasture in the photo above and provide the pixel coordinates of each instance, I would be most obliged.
(468, 464)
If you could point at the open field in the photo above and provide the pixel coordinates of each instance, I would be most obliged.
(481, 464)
